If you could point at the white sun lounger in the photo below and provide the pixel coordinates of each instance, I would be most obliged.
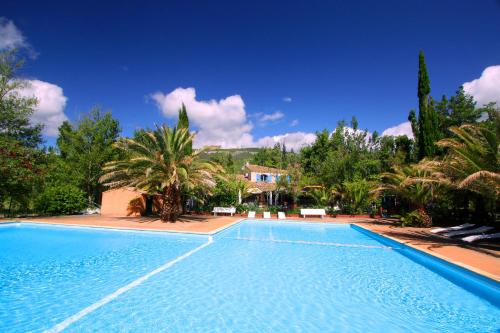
(281, 216)
(251, 214)
(475, 238)
(267, 215)
(456, 228)
(468, 232)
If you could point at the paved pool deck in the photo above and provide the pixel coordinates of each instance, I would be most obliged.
(482, 259)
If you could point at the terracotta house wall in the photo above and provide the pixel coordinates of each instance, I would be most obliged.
(253, 177)
(123, 202)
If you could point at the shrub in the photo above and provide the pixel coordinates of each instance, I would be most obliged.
(413, 219)
(62, 199)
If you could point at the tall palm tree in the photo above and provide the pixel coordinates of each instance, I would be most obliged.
(159, 161)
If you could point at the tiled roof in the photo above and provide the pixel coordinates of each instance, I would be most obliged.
(263, 186)
(263, 169)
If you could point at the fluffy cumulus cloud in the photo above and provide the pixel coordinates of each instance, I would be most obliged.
(10, 36)
(51, 101)
(222, 122)
(295, 140)
(401, 129)
(287, 99)
(486, 88)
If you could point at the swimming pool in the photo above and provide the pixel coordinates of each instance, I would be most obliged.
(252, 277)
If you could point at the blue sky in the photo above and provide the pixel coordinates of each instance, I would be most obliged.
(279, 67)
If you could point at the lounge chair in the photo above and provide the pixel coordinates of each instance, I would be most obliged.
(251, 214)
(456, 228)
(468, 232)
(281, 216)
(477, 238)
(267, 215)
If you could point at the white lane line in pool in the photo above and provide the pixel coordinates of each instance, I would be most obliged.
(70, 320)
(315, 243)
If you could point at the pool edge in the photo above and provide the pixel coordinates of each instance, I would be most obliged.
(199, 233)
(434, 254)
(472, 279)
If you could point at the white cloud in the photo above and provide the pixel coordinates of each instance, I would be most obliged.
(10, 36)
(222, 122)
(295, 140)
(294, 123)
(401, 129)
(271, 116)
(486, 88)
(287, 99)
(49, 110)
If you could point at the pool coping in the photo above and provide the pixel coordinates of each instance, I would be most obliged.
(434, 254)
(202, 233)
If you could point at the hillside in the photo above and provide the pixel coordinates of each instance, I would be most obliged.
(238, 155)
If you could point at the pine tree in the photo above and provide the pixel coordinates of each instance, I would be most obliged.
(463, 109)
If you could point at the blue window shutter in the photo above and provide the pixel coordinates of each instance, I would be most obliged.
(270, 178)
(257, 177)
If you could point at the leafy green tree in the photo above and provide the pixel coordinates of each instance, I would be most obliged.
(19, 139)
(225, 159)
(270, 157)
(87, 146)
(393, 151)
(158, 162)
(60, 199)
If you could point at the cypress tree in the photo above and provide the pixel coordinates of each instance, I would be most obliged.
(183, 121)
(428, 121)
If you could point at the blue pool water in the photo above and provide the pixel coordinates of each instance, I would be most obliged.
(253, 277)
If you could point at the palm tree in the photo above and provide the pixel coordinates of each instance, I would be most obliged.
(472, 164)
(473, 159)
(357, 194)
(322, 196)
(413, 184)
(159, 161)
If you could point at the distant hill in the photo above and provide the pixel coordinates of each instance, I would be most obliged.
(239, 155)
